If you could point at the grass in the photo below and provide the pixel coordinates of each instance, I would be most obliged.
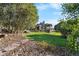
(53, 38)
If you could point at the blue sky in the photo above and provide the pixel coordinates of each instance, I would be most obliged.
(49, 12)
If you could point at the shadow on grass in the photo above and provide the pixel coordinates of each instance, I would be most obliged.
(50, 39)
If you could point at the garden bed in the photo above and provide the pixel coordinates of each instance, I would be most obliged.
(31, 48)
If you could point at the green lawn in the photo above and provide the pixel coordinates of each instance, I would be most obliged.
(53, 38)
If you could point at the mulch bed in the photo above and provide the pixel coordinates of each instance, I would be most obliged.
(9, 39)
(30, 48)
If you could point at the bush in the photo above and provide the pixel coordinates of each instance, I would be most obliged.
(72, 43)
(45, 45)
(60, 28)
(42, 44)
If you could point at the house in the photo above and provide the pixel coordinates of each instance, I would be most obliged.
(40, 26)
(44, 27)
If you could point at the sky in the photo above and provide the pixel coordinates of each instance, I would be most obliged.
(49, 12)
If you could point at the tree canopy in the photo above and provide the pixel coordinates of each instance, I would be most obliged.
(71, 10)
(71, 23)
(18, 16)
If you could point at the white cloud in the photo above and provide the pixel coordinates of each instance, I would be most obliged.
(56, 6)
(50, 5)
(43, 6)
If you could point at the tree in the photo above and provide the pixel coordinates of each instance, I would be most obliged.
(71, 10)
(69, 29)
(18, 17)
(48, 27)
(62, 27)
(71, 23)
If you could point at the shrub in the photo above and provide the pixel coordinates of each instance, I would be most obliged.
(72, 43)
(60, 28)
(45, 45)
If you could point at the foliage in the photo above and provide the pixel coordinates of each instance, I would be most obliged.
(71, 23)
(72, 43)
(71, 10)
(48, 27)
(70, 29)
(18, 17)
(43, 44)
(62, 27)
